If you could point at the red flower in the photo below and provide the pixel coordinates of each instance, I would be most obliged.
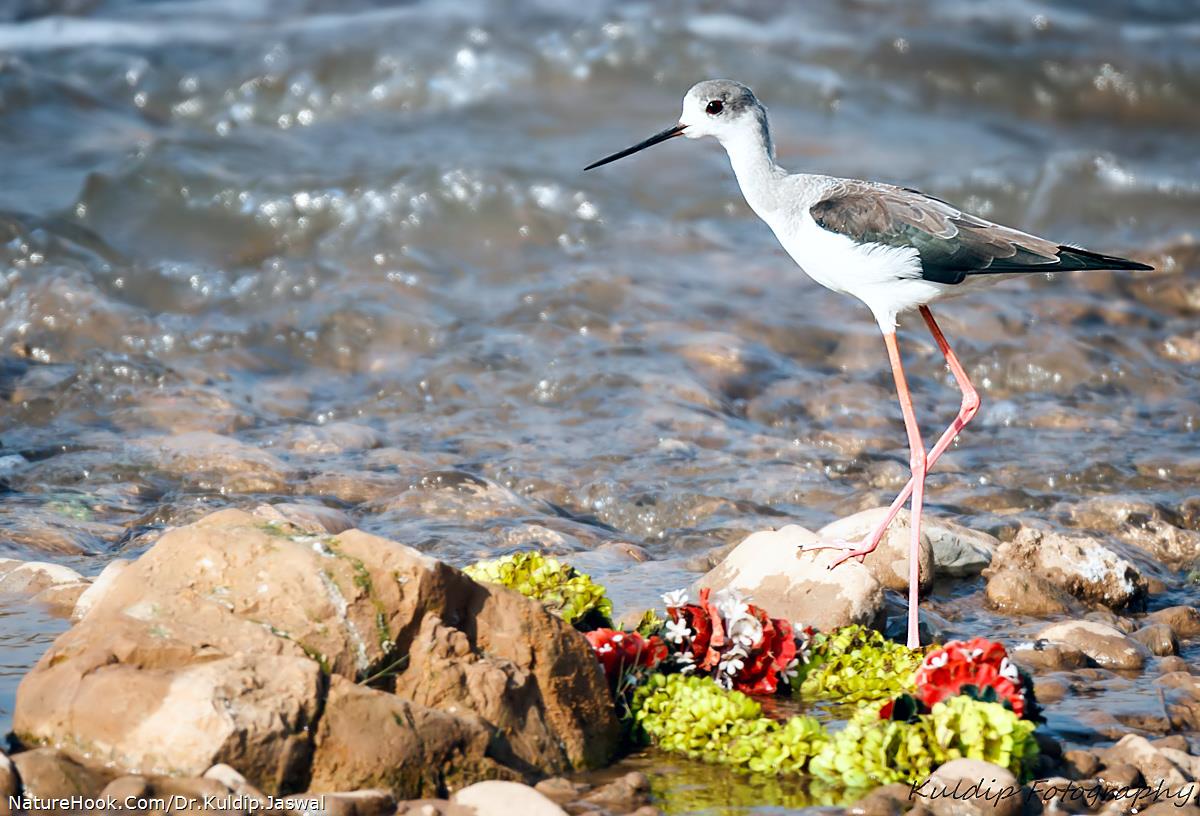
(705, 621)
(620, 652)
(981, 663)
(770, 657)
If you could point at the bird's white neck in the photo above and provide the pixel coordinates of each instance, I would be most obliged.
(753, 158)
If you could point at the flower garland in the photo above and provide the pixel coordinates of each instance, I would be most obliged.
(733, 641)
(565, 591)
(684, 683)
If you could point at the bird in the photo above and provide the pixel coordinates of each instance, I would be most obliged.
(893, 248)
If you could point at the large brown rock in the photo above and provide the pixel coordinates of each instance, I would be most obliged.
(219, 645)
(131, 703)
(371, 739)
(1020, 592)
(774, 570)
(1080, 565)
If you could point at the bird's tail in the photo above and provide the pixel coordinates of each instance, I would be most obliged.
(1071, 258)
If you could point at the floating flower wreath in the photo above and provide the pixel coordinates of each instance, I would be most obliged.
(683, 684)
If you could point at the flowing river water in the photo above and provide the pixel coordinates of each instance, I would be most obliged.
(352, 240)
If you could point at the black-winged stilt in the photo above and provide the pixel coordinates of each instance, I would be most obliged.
(893, 248)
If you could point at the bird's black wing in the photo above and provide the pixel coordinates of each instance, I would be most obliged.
(951, 244)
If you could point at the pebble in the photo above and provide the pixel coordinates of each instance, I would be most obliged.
(1105, 644)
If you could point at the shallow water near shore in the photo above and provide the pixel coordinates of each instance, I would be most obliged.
(353, 241)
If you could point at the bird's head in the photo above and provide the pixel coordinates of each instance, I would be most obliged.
(722, 108)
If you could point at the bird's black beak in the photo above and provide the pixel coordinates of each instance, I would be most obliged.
(669, 133)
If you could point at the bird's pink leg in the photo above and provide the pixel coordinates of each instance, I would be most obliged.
(919, 466)
(967, 411)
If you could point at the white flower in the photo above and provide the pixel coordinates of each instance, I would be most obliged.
(792, 670)
(677, 631)
(618, 637)
(1009, 671)
(745, 631)
(604, 648)
(937, 661)
(732, 604)
(724, 681)
(675, 599)
(732, 664)
(974, 655)
(686, 662)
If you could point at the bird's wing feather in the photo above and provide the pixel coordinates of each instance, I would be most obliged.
(951, 244)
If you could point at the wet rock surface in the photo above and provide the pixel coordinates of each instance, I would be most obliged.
(1108, 646)
(1081, 566)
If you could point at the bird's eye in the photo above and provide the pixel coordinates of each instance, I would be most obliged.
(714, 107)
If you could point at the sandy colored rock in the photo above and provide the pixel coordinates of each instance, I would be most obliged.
(1020, 592)
(433, 807)
(454, 494)
(32, 577)
(372, 739)
(886, 800)
(971, 787)
(355, 803)
(889, 563)
(1150, 527)
(1049, 689)
(10, 783)
(214, 461)
(622, 795)
(1081, 764)
(1183, 620)
(128, 699)
(314, 519)
(1044, 655)
(499, 798)
(99, 587)
(1107, 645)
(1181, 699)
(60, 599)
(1171, 664)
(126, 787)
(1151, 763)
(47, 774)
(214, 646)
(772, 569)
(1080, 565)
(336, 437)
(1158, 638)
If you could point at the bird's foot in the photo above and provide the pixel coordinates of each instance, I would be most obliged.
(850, 549)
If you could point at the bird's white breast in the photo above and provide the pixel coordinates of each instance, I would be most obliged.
(886, 278)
